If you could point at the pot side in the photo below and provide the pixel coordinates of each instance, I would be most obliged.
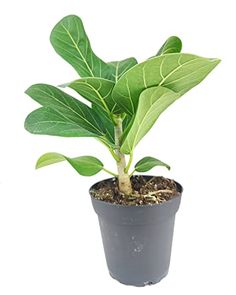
(137, 240)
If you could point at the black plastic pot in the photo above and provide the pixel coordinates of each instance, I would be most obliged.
(137, 239)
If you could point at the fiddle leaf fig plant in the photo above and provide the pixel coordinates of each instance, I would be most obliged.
(124, 99)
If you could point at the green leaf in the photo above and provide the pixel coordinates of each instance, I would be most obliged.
(177, 71)
(70, 41)
(172, 45)
(147, 163)
(98, 90)
(67, 106)
(152, 102)
(126, 122)
(95, 90)
(106, 122)
(49, 122)
(126, 125)
(48, 159)
(118, 68)
(84, 165)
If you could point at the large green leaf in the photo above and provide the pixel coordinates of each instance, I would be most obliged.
(152, 102)
(172, 45)
(147, 163)
(69, 107)
(177, 71)
(118, 68)
(49, 122)
(96, 90)
(70, 41)
(84, 165)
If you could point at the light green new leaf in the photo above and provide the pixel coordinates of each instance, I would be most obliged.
(72, 109)
(70, 41)
(49, 122)
(96, 90)
(152, 102)
(147, 163)
(172, 45)
(84, 165)
(177, 71)
(118, 68)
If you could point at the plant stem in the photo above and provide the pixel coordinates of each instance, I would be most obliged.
(123, 177)
(110, 172)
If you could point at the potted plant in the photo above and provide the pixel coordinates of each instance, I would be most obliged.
(136, 212)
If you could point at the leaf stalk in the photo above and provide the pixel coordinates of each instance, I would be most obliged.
(109, 172)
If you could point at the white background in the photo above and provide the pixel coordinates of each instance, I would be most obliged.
(49, 237)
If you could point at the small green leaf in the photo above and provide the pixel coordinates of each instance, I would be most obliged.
(177, 71)
(71, 42)
(48, 159)
(172, 45)
(152, 102)
(49, 122)
(84, 165)
(147, 163)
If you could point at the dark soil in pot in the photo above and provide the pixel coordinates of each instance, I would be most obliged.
(137, 237)
(146, 191)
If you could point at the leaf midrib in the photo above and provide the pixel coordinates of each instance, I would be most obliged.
(77, 48)
(87, 162)
(184, 77)
(98, 94)
(176, 69)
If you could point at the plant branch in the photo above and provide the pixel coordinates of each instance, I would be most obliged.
(114, 155)
(129, 163)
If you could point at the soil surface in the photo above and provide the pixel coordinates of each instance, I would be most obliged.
(147, 190)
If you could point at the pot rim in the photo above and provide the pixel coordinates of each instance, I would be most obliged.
(179, 187)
